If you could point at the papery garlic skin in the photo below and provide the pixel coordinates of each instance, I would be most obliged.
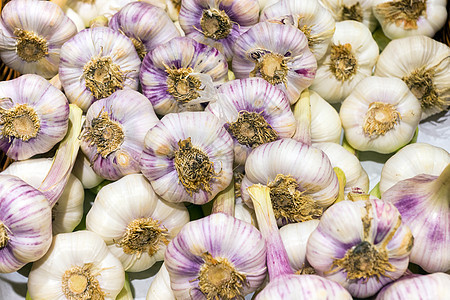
(431, 286)
(407, 18)
(121, 203)
(80, 249)
(277, 53)
(95, 63)
(424, 64)
(326, 124)
(412, 160)
(114, 132)
(308, 16)
(181, 75)
(160, 287)
(362, 245)
(174, 137)
(83, 171)
(381, 114)
(355, 175)
(32, 33)
(232, 242)
(353, 54)
(240, 101)
(25, 224)
(68, 211)
(34, 116)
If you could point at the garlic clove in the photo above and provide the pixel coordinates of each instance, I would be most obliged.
(160, 287)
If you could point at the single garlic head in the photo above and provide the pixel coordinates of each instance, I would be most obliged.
(381, 114)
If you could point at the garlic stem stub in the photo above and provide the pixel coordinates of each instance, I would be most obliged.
(188, 157)
(114, 132)
(381, 114)
(95, 63)
(277, 53)
(25, 224)
(218, 23)
(362, 245)
(33, 116)
(78, 265)
(181, 75)
(32, 33)
(254, 112)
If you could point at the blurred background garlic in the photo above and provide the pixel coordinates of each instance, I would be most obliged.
(381, 114)
(424, 65)
(351, 58)
(181, 75)
(277, 53)
(134, 222)
(95, 63)
(32, 33)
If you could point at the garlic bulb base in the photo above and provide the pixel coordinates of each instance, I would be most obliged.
(81, 282)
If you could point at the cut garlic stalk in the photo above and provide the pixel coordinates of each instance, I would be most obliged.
(160, 287)
(424, 65)
(134, 222)
(78, 265)
(381, 114)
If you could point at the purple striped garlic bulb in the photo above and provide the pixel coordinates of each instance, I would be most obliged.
(188, 157)
(254, 112)
(218, 23)
(216, 257)
(146, 25)
(114, 132)
(33, 116)
(362, 245)
(180, 75)
(277, 53)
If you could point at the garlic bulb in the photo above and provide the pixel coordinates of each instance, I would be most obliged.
(216, 257)
(424, 65)
(355, 175)
(180, 75)
(218, 23)
(362, 245)
(402, 18)
(83, 171)
(308, 16)
(423, 202)
(356, 10)
(134, 222)
(277, 53)
(32, 33)
(188, 157)
(412, 160)
(381, 114)
(95, 63)
(160, 287)
(254, 112)
(78, 265)
(431, 286)
(300, 177)
(33, 116)
(114, 132)
(352, 57)
(68, 211)
(25, 224)
(158, 28)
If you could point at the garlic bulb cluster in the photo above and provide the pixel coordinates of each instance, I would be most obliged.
(424, 65)
(180, 75)
(95, 63)
(25, 224)
(277, 53)
(362, 245)
(188, 157)
(381, 114)
(78, 265)
(134, 222)
(114, 132)
(401, 18)
(33, 116)
(32, 33)
(254, 112)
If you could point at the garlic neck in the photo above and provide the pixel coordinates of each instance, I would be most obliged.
(302, 113)
(224, 202)
(441, 186)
